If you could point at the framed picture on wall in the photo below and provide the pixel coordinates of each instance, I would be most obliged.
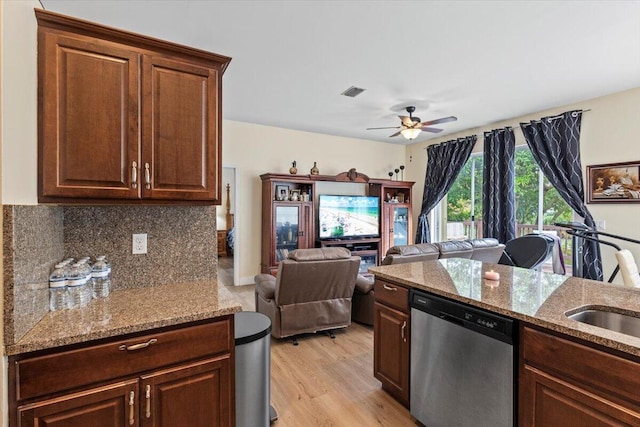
(282, 192)
(614, 183)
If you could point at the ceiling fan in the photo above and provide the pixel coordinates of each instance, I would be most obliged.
(411, 126)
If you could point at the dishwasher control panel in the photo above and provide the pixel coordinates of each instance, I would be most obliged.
(466, 316)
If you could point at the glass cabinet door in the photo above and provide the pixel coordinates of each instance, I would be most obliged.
(400, 227)
(287, 221)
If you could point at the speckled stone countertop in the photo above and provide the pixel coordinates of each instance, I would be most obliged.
(541, 299)
(129, 310)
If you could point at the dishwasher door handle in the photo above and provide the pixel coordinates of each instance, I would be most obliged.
(450, 318)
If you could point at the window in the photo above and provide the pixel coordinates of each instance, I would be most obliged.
(464, 202)
(538, 204)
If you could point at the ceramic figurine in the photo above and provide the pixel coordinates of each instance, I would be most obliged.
(314, 169)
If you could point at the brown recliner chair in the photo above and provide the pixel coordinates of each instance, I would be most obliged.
(312, 292)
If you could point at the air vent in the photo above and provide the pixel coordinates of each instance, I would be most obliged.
(352, 92)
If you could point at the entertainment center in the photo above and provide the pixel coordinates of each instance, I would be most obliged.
(297, 215)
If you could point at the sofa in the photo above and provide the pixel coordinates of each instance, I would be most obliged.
(485, 250)
(312, 292)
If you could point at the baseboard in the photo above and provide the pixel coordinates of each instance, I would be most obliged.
(246, 280)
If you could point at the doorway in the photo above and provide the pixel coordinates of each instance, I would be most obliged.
(226, 221)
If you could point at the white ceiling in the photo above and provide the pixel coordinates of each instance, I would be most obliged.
(482, 61)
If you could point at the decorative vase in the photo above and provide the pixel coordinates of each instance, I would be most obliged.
(314, 169)
(293, 169)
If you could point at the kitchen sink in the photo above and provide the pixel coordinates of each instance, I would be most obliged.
(617, 322)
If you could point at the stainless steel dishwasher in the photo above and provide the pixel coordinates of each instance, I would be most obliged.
(462, 364)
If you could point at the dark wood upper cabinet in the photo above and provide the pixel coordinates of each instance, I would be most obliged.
(180, 144)
(124, 117)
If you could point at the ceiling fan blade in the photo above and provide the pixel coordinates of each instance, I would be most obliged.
(438, 121)
(395, 134)
(432, 130)
(406, 120)
(392, 127)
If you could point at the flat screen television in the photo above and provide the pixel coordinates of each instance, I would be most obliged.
(343, 217)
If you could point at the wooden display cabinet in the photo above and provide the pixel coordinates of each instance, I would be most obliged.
(288, 218)
(396, 225)
(125, 117)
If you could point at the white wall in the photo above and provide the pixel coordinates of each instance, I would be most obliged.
(255, 149)
(610, 133)
(18, 125)
(19, 98)
(3, 365)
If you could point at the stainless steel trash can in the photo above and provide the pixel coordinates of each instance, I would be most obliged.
(253, 369)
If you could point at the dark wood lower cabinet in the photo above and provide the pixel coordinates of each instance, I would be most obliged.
(552, 401)
(106, 406)
(391, 351)
(179, 376)
(565, 383)
(193, 395)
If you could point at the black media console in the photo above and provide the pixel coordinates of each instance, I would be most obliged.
(367, 249)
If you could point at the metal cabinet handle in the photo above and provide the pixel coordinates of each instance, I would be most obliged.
(389, 288)
(137, 346)
(148, 397)
(132, 396)
(404, 327)
(134, 175)
(147, 176)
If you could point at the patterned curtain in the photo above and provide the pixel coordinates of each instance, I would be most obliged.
(444, 163)
(498, 189)
(555, 145)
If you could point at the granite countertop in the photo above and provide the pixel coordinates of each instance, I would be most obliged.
(537, 298)
(129, 310)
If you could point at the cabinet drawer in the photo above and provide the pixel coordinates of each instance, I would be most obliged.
(65, 370)
(391, 295)
(581, 364)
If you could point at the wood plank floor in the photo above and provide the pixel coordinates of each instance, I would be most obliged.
(225, 270)
(326, 382)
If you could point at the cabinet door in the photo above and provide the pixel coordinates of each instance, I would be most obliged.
(88, 140)
(400, 219)
(293, 226)
(396, 226)
(199, 394)
(546, 400)
(181, 144)
(108, 406)
(391, 351)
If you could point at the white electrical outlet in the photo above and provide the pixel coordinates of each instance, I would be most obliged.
(139, 244)
(601, 224)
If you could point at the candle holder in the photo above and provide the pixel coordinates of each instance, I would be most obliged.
(397, 171)
(391, 175)
(401, 172)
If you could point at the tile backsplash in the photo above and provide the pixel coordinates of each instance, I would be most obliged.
(33, 242)
(181, 247)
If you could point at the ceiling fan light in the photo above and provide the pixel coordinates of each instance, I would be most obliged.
(410, 133)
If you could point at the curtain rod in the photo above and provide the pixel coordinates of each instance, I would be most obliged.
(451, 140)
(574, 114)
(526, 124)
